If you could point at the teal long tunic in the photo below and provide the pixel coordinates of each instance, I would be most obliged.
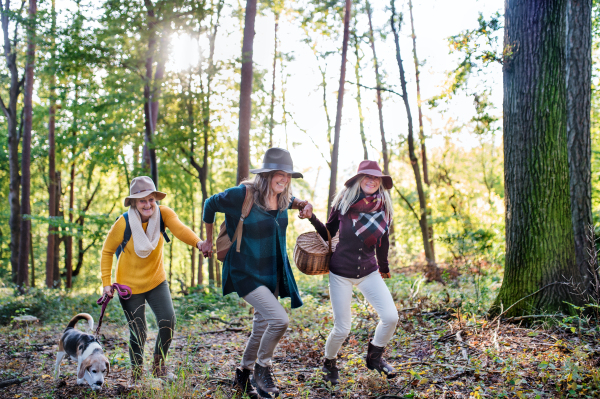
(256, 263)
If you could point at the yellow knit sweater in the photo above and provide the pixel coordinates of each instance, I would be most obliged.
(141, 274)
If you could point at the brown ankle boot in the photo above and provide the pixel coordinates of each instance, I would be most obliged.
(159, 369)
(375, 361)
(137, 373)
(242, 384)
(331, 371)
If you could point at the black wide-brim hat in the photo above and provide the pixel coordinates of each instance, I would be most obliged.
(278, 159)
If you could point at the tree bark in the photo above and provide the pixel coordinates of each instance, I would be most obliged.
(10, 112)
(69, 238)
(51, 157)
(272, 109)
(149, 150)
(23, 273)
(384, 150)
(246, 93)
(58, 238)
(540, 250)
(340, 103)
(361, 118)
(579, 85)
(421, 132)
(411, 148)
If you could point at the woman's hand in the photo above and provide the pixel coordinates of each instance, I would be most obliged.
(385, 275)
(108, 291)
(306, 210)
(199, 245)
(206, 248)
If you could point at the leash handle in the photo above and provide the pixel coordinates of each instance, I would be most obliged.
(122, 290)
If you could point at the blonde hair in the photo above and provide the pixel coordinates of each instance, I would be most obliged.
(347, 196)
(261, 183)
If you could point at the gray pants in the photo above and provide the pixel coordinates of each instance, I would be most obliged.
(270, 324)
(160, 302)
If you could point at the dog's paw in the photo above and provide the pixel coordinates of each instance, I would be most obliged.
(81, 381)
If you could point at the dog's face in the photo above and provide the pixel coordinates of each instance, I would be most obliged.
(93, 369)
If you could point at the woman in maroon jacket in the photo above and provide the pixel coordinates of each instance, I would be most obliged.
(362, 213)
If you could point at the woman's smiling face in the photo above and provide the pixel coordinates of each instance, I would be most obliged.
(146, 206)
(280, 181)
(370, 184)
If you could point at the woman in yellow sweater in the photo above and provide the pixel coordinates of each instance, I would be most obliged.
(140, 266)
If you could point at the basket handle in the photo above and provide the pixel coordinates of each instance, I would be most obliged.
(327, 245)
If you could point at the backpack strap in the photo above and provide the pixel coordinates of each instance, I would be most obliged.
(126, 235)
(162, 229)
(246, 208)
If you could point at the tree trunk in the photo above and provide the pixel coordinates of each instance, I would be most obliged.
(411, 148)
(540, 250)
(246, 93)
(421, 132)
(579, 81)
(23, 273)
(10, 113)
(51, 157)
(272, 110)
(58, 238)
(340, 103)
(69, 237)
(32, 260)
(361, 118)
(384, 150)
(193, 268)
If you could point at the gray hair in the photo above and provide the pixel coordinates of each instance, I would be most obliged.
(261, 183)
(348, 195)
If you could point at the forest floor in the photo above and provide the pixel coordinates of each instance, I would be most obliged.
(444, 347)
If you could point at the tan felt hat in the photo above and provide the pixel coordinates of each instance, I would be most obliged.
(142, 186)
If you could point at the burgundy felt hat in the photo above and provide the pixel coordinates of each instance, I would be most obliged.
(371, 168)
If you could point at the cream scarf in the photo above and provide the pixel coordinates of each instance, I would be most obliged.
(144, 242)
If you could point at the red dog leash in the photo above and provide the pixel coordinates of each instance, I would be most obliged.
(122, 290)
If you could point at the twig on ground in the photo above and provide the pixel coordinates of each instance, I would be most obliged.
(462, 347)
(232, 329)
(13, 381)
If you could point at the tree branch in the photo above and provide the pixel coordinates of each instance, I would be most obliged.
(408, 203)
(375, 88)
(2, 105)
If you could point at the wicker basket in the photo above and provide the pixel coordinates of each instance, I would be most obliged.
(312, 253)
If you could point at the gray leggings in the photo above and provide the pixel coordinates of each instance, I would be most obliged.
(160, 302)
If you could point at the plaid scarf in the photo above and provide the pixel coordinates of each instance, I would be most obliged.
(368, 218)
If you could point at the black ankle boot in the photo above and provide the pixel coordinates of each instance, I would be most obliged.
(376, 362)
(264, 379)
(331, 371)
(242, 383)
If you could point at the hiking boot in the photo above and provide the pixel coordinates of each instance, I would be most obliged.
(137, 373)
(264, 379)
(159, 369)
(242, 384)
(376, 362)
(331, 371)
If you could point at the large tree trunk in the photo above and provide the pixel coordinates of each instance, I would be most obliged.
(361, 118)
(246, 93)
(23, 273)
(411, 148)
(579, 84)
(69, 237)
(340, 104)
(10, 112)
(51, 157)
(540, 250)
(272, 109)
(421, 132)
(384, 150)
(58, 238)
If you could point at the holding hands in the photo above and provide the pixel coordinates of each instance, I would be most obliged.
(206, 248)
(305, 210)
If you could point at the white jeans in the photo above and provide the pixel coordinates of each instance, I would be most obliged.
(376, 293)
